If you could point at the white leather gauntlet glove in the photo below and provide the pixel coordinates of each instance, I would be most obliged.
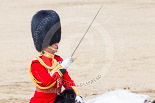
(79, 99)
(65, 64)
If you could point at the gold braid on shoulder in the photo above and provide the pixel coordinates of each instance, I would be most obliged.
(55, 67)
(36, 82)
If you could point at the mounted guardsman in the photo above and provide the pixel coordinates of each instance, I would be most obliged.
(48, 71)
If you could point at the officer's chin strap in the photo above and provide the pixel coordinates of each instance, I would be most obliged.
(52, 48)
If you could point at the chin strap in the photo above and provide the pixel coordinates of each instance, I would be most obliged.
(52, 48)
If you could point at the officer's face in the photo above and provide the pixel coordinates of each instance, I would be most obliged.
(54, 50)
(55, 45)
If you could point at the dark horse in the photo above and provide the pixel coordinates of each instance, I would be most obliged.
(67, 96)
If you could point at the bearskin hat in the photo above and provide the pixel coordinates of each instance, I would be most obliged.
(45, 28)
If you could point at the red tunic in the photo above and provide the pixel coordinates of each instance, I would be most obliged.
(41, 74)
